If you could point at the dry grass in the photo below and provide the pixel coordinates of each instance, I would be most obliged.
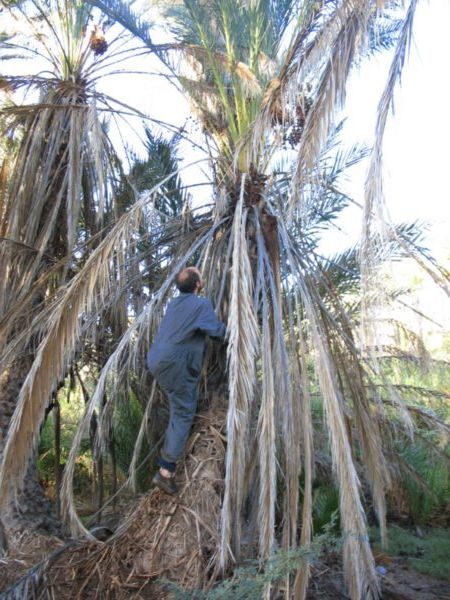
(25, 549)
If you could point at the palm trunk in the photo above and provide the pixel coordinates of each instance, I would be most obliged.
(112, 452)
(32, 510)
(99, 489)
(57, 430)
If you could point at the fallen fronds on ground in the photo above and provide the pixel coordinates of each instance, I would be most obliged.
(25, 551)
(162, 538)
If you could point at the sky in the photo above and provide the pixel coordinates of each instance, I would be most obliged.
(417, 135)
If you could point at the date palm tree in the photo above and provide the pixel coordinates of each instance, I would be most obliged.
(56, 194)
(261, 76)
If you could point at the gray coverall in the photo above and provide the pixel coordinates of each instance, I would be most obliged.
(175, 361)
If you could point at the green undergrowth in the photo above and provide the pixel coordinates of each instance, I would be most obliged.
(428, 554)
(252, 580)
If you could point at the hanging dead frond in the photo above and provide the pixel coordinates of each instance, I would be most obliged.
(266, 442)
(132, 471)
(302, 419)
(242, 333)
(350, 23)
(302, 576)
(376, 221)
(359, 566)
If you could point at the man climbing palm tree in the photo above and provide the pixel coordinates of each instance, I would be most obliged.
(175, 361)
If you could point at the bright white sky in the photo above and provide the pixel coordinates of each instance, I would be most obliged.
(416, 157)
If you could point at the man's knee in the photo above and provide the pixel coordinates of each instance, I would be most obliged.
(184, 399)
(184, 412)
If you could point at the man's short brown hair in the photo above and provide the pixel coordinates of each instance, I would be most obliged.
(187, 279)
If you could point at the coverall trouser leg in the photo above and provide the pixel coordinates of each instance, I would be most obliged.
(180, 387)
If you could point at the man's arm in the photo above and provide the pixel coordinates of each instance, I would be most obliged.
(209, 323)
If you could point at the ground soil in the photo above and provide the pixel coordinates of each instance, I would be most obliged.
(398, 581)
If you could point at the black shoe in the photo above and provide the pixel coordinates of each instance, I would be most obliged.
(166, 484)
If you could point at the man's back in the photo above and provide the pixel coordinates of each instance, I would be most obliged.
(186, 322)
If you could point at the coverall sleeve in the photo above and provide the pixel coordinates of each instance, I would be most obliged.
(209, 323)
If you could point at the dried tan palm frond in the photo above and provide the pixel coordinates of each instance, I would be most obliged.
(366, 418)
(266, 442)
(302, 415)
(365, 414)
(242, 334)
(8, 322)
(140, 438)
(374, 195)
(285, 384)
(376, 222)
(45, 186)
(301, 581)
(358, 560)
(348, 30)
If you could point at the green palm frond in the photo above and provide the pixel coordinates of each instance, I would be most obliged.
(123, 13)
(342, 271)
(383, 32)
(326, 507)
(426, 480)
(160, 162)
(127, 422)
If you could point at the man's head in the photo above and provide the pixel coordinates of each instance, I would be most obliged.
(189, 280)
